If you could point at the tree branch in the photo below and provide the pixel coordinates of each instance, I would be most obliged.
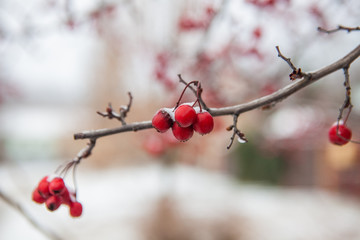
(291, 88)
(22, 211)
(308, 78)
(339, 28)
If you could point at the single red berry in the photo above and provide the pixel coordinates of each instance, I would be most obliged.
(155, 145)
(43, 187)
(65, 197)
(53, 202)
(187, 24)
(343, 136)
(36, 196)
(162, 120)
(185, 115)
(57, 186)
(210, 11)
(204, 123)
(75, 209)
(182, 133)
(257, 32)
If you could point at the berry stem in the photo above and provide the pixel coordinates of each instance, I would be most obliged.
(198, 102)
(182, 94)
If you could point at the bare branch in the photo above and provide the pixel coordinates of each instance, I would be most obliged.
(105, 132)
(15, 205)
(346, 105)
(236, 132)
(339, 28)
(110, 113)
(347, 101)
(288, 90)
(271, 99)
(296, 74)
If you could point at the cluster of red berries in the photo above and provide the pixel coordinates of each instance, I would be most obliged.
(188, 24)
(183, 120)
(52, 191)
(339, 133)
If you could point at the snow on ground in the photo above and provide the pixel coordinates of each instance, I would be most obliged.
(117, 201)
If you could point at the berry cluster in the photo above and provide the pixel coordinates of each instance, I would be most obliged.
(52, 191)
(339, 134)
(183, 121)
(187, 23)
(184, 118)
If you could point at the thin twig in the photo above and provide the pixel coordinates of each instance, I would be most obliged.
(288, 90)
(110, 113)
(275, 97)
(339, 28)
(15, 205)
(346, 105)
(236, 132)
(296, 73)
(347, 101)
(83, 153)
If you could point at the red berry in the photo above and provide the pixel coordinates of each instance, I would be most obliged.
(53, 202)
(162, 121)
(57, 186)
(204, 123)
(36, 197)
(75, 209)
(43, 187)
(210, 11)
(257, 32)
(155, 145)
(181, 133)
(186, 24)
(343, 136)
(65, 197)
(185, 115)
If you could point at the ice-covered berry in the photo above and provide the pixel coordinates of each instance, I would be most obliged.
(162, 120)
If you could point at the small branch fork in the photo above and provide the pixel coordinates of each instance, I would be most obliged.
(197, 92)
(236, 132)
(339, 28)
(87, 150)
(296, 73)
(110, 113)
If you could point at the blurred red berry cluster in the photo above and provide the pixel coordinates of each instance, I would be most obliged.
(52, 191)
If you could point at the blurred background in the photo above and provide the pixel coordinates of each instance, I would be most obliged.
(61, 61)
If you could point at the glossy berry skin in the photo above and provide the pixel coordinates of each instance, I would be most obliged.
(57, 186)
(204, 123)
(185, 115)
(182, 134)
(162, 121)
(343, 131)
(36, 197)
(43, 187)
(75, 209)
(65, 197)
(53, 202)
